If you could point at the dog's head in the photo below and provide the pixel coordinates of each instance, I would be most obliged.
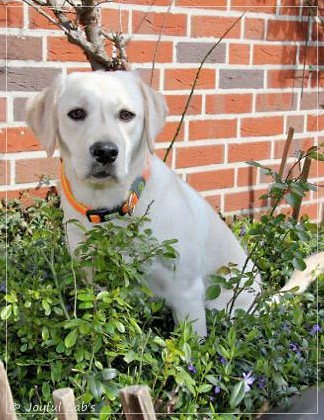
(101, 120)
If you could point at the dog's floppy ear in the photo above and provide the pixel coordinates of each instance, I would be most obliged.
(41, 116)
(155, 112)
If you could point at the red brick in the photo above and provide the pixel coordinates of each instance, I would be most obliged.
(78, 69)
(287, 79)
(254, 6)
(21, 47)
(20, 139)
(286, 30)
(184, 78)
(211, 180)
(32, 170)
(274, 54)
(311, 209)
(212, 129)
(317, 31)
(146, 75)
(169, 131)
(317, 170)
(3, 109)
(145, 51)
(244, 200)
(146, 2)
(297, 144)
(214, 26)
(214, 4)
(199, 156)
(214, 201)
(267, 102)
(11, 15)
(161, 153)
(115, 20)
(264, 126)
(315, 122)
(290, 7)
(156, 23)
(249, 151)
(26, 196)
(4, 172)
(246, 176)
(317, 79)
(37, 21)
(314, 55)
(177, 103)
(254, 29)
(229, 104)
(239, 54)
(296, 122)
(60, 49)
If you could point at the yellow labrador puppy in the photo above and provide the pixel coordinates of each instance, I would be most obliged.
(105, 125)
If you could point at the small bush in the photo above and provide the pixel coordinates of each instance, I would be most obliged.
(100, 335)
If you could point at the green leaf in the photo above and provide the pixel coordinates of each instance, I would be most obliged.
(253, 163)
(237, 394)
(6, 312)
(45, 333)
(213, 292)
(109, 373)
(204, 388)
(71, 338)
(299, 264)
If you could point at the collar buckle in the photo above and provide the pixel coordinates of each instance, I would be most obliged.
(97, 216)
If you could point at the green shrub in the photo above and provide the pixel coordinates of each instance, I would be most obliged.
(100, 335)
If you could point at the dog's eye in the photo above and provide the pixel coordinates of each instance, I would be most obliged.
(125, 115)
(77, 114)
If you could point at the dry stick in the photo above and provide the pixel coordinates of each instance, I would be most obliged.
(286, 151)
(137, 403)
(159, 40)
(75, 36)
(7, 411)
(195, 82)
(305, 55)
(303, 177)
(64, 404)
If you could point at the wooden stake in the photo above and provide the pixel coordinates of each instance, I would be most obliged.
(64, 403)
(137, 403)
(7, 410)
(303, 177)
(286, 151)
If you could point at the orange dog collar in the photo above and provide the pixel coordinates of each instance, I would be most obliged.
(102, 214)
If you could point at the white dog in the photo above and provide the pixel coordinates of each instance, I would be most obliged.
(106, 124)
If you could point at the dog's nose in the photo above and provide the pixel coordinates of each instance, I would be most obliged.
(104, 152)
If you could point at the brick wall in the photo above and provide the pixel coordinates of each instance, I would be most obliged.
(248, 95)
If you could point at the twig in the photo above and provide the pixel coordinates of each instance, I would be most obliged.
(286, 151)
(159, 41)
(303, 177)
(195, 82)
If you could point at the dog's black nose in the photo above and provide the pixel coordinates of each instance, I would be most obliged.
(104, 152)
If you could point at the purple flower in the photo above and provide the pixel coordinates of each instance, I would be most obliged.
(223, 360)
(192, 368)
(261, 382)
(248, 380)
(242, 231)
(295, 348)
(217, 390)
(315, 329)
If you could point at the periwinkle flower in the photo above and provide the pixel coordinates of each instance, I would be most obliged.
(315, 329)
(295, 348)
(248, 380)
(217, 390)
(192, 368)
(261, 382)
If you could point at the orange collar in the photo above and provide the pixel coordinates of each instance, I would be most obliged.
(102, 214)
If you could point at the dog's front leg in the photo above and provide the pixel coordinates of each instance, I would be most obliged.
(190, 305)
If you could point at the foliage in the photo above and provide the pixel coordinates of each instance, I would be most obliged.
(99, 335)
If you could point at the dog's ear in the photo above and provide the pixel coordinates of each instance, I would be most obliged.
(41, 116)
(155, 112)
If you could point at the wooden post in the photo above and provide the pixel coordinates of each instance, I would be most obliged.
(64, 404)
(303, 177)
(286, 151)
(137, 403)
(7, 410)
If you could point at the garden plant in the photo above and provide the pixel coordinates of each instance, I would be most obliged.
(98, 336)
